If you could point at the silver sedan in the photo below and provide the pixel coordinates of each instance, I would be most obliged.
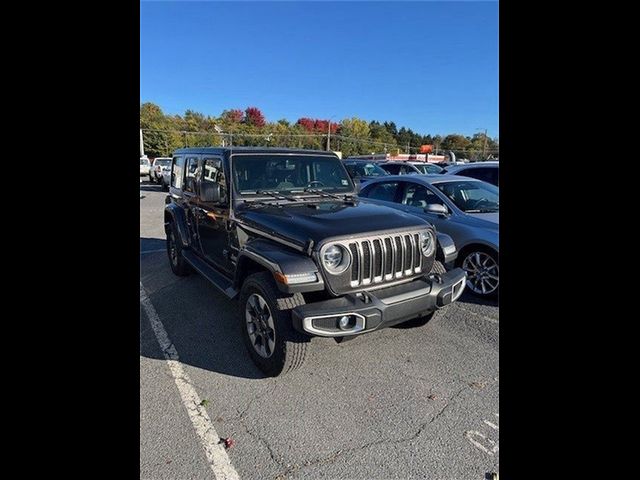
(464, 208)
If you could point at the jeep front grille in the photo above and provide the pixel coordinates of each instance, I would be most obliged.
(384, 259)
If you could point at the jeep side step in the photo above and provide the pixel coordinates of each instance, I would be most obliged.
(219, 281)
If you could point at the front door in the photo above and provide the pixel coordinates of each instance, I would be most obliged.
(213, 218)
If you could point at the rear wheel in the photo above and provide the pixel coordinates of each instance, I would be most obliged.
(179, 265)
(265, 313)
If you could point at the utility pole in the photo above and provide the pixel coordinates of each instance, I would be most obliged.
(484, 147)
(141, 144)
(329, 134)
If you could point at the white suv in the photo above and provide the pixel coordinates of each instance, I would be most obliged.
(144, 166)
(158, 167)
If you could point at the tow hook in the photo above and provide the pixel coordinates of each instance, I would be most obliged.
(435, 277)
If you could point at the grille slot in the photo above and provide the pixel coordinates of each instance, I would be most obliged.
(384, 259)
(355, 267)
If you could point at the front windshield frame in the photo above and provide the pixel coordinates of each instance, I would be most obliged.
(298, 190)
(477, 184)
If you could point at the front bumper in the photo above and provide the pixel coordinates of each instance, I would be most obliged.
(368, 311)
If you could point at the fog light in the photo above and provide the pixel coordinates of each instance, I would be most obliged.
(344, 323)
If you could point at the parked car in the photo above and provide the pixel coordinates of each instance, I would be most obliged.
(408, 168)
(486, 171)
(464, 208)
(364, 170)
(283, 232)
(144, 166)
(165, 180)
(159, 165)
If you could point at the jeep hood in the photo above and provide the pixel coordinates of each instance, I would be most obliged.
(302, 222)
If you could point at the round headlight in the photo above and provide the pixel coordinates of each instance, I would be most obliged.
(335, 259)
(427, 243)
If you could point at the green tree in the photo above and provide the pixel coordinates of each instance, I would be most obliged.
(356, 134)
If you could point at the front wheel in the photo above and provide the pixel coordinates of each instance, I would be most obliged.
(265, 316)
(483, 271)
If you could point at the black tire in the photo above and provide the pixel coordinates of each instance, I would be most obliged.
(483, 251)
(290, 347)
(178, 264)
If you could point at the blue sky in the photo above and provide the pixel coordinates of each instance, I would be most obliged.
(428, 66)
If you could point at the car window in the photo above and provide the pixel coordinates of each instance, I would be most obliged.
(392, 169)
(212, 171)
(190, 174)
(472, 196)
(385, 191)
(419, 196)
(177, 173)
(479, 173)
(430, 168)
(365, 169)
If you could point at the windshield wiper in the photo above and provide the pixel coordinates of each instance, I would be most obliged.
(277, 195)
(343, 198)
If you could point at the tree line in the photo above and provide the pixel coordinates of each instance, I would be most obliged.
(163, 133)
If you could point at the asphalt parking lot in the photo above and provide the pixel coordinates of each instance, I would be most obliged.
(399, 403)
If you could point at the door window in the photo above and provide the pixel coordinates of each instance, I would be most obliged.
(177, 172)
(385, 191)
(419, 196)
(212, 171)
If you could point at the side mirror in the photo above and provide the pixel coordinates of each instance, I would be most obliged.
(437, 209)
(210, 192)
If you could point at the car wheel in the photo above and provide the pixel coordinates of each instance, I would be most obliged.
(265, 316)
(179, 265)
(483, 271)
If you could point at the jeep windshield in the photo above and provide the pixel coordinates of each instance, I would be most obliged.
(254, 173)
(472, 196)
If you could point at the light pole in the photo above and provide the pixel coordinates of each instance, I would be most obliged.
(329, 134)
(219, 130)
(484, 145)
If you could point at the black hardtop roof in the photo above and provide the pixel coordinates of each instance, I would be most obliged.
(228, 150)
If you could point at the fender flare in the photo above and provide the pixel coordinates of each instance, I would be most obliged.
(179, 219)
(281, 262)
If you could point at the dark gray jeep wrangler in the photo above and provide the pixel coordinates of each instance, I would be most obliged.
(284, 232)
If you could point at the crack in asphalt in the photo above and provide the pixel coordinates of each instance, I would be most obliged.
(335, 455)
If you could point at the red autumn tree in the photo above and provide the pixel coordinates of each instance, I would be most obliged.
(253, 116)
(233, 116)
(307, 123)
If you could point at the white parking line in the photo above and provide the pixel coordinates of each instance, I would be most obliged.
(215, 452)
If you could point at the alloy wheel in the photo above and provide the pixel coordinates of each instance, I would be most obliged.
(260, 327)
(482, 273)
